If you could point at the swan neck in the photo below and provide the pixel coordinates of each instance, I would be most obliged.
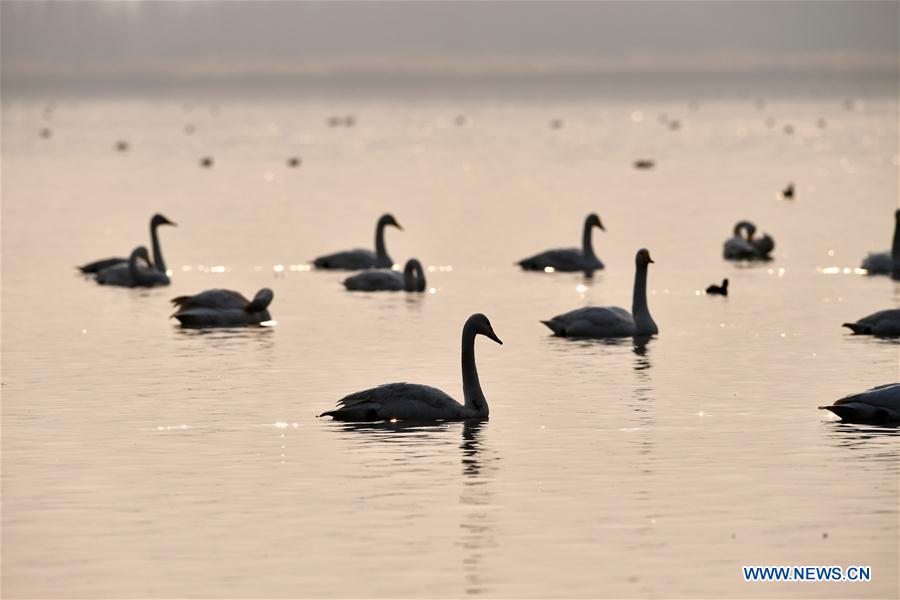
(413, 277)
(380, 250)
(158, 263)
(587, 248)
(475, 400)
(895, 247)
(135, 271)
(639, 308)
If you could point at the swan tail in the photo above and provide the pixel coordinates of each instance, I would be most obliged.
(555, 327)
(857, 413)
(855, 327)
(353, 414)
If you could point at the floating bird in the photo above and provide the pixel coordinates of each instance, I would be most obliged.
(132, 274)
(415, 402)
(878, 405)
(886, 263)
(122, 146)
(189, 129)
(884, 323)
(789, 129)
(788, 192)
(206, 162)
(45, 132)
(222, 308)
(739, 247)
(105, 263)
(352, 260)
(721, 290)
(556, 123)
(385, 280)
(293, 162)
(611, 321)
(569, 259)
(674, 124)
(644, 164)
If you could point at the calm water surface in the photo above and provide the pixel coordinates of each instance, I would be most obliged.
(140, 460)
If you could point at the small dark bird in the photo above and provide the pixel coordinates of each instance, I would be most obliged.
(293, 162)
(674, 124)
(721, 290)
(644, 163)
(788, 192)
(822, 123)
(349, 121)
(789, 129)
(556, 123)
(206, 162)
(334, 121)
(460, 120)
(122, 146)
(189, 129)
(45, 132)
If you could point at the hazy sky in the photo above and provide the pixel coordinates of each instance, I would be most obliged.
(63, 39)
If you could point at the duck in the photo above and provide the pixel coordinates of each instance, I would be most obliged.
(222, 308)
(883, 323)
(611, 321)
(788, 192)
(877, 405)
(104, 263)
(569, 259)
(721, 290)
(886, 263)
(132, 274)
(423, 403)
(355, 260)
(412, 279)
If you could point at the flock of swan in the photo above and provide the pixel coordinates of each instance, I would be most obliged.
(415, 402)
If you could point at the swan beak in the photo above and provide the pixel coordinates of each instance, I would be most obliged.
(494, 337)
(650, 260)
(600, 225)
(397, 225)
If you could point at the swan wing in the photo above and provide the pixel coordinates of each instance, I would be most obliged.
(220, 317)
(738, 248)
(370, 281)
(883, 322)
(879, 404)
(593, 321)
(116, 275)
(217, 298)
(401, 401)
(560, 259)
(878, 264)
(348, 260)
(99, 265)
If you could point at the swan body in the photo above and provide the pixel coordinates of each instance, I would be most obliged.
(412, 279)
(415, 402)
(721, 290)
(743, 246)
(131, 274)
(880, 404)
(883, 323)
(354, 260)
(611, 321)
(223, 308)
(569, 259)
(105, 263)
(886, 263)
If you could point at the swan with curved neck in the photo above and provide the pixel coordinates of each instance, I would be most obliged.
(132, 274)
(886, 263)
(158, 263)
(352, 260)
(416, 402)
(611, 321)
(223, 308)
(569, 259)
(743, 246)
(412, 279)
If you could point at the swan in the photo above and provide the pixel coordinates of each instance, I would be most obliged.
(880, 404)
(352, 260)
(131, 274)
(886, 263)
(105, 263)
(569, 259)
(222, 308)
(882, 323)
(385, 280)
(611, 321)
(739, 247)
(416, 402)
(721, 290)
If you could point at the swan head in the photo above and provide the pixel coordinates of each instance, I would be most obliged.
(388, 219)
(159, 219)
(642, 258)
(141, 252)
(725, 284)
(747, 226)
(594, 221)
(261, 301)
(481, 325)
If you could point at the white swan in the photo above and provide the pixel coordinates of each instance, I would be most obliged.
(412, 279)
(352, 260)
(880, 404)
(105, 263)
(611, 321)
(883, 323)
(415, 402)
(886, 263)
(131, 274)
(569, 259)
(222, 308)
